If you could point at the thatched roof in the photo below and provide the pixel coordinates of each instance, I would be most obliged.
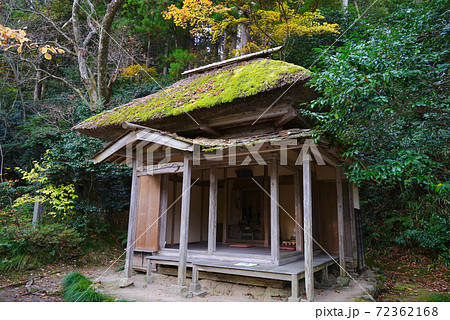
(205, 90)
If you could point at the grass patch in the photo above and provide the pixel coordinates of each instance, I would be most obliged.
(78, 288)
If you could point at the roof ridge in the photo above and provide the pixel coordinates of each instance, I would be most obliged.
(223, 63)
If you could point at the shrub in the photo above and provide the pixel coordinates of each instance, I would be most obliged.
(78, 288)
(27, 245)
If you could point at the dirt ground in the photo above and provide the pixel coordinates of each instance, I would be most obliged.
(48, 288)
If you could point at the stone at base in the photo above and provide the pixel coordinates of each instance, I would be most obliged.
(199, 293)
(292, 299)
(196, 290)
(325, 283)
(176, 289)
(343, 281)
(125, 282)
(149, 279)
(194, 287)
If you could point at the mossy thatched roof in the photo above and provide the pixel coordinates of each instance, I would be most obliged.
(201, 91)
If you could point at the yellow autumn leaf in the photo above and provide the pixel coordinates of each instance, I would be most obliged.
(43, 50)
(60, 50)
(19, 49)
(48, 56)
(52, 50)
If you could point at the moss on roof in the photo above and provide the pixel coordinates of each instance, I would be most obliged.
(202, 91)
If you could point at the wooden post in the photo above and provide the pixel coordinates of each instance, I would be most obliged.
(307, 225)
(274, 212)
(298, 212)
(172, 227)
(212, 225)
(295, 289)
(149, 276)
(184, 222)
(225, 207)
(340, 214)
(131, 224)
(351, 206)
(266, 208)
(163, 210)
(202, 199)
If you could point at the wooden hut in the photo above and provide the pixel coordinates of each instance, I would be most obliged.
(241, 193)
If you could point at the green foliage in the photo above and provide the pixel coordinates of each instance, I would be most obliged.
(59, 198)
(434, 235)
(385, 101)
(24, 246)
(438, 297)
(137, 72)
(78, 288)
(178, 61)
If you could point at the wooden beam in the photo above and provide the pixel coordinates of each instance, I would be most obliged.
(211, 131)
(240, 118)
(116, 146)
(298, 212)
(274, 212)
(212, 225)
(171, 167)
(132, 222)
(164, 140)
(308, 230)
(233, 60)
(184, 221)
(341, 228)
(163, 210)
(327, 157)
(288, 116)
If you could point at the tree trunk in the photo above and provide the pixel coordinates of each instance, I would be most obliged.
(244, 36)
(37, 212)
(86, 75)
(149, 51)
(37, 95)
(233, 43)
(357, 9)
(103, 49)
(225, 50)
(166, 55)
(191, 48)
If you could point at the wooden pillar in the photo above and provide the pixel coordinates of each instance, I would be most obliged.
(212, 225)
(184, 221)
(274, 212)
(174, 197)
(295, 289)
(163, 210)
(225, 207)
(266, 208)
(298, 212)
(340, 214)
(351, 205)
(307, 228)
(132, 221)
(202, 199)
